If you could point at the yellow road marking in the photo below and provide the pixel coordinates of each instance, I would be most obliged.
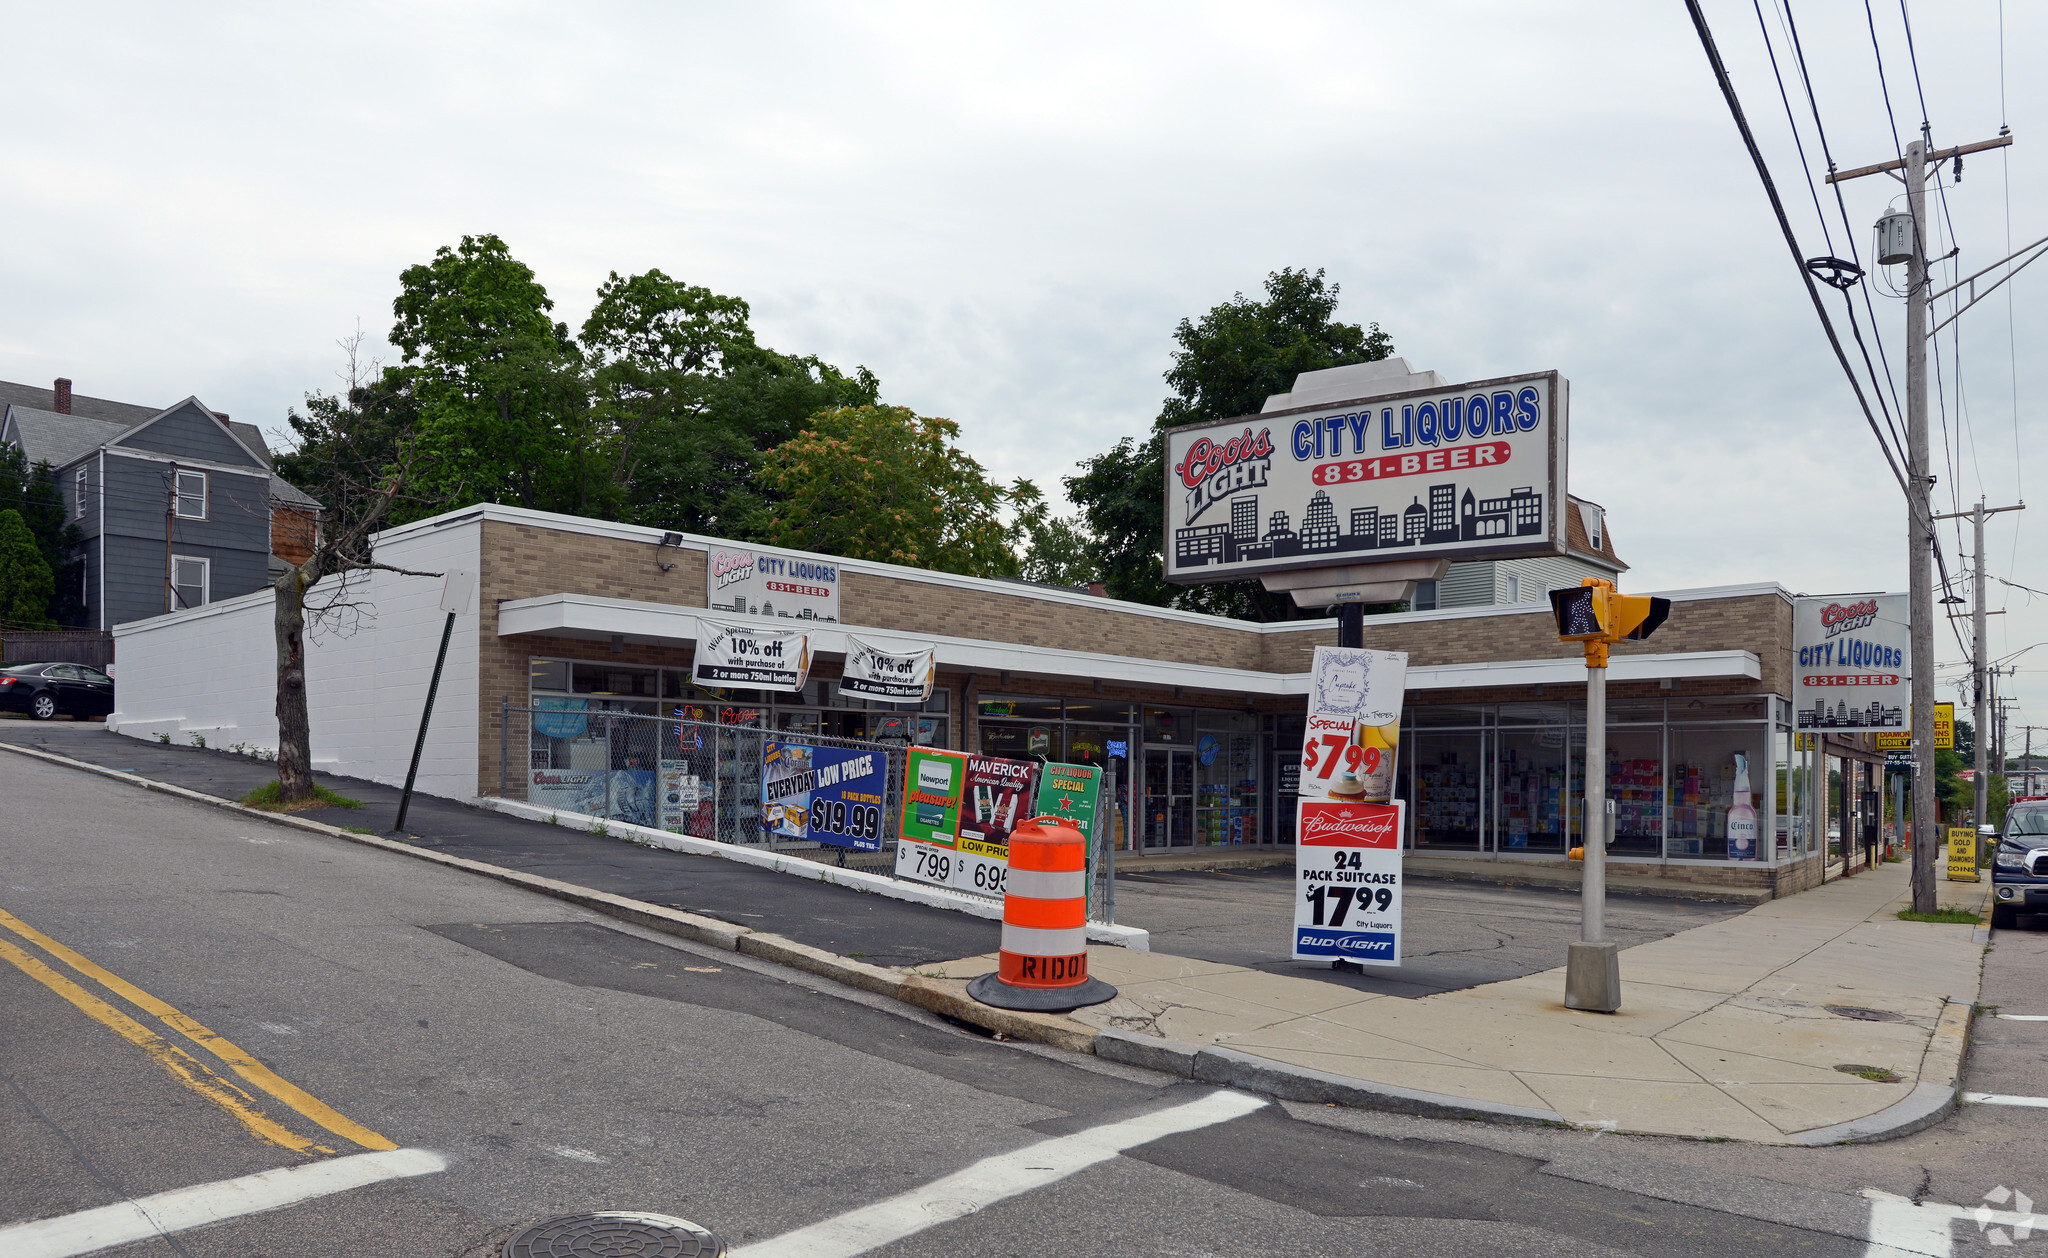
(251, 1070)
(180, 1064)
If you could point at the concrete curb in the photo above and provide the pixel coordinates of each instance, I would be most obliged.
(817, 871)
(1229, 1068)
(948, 997)
(1933, 1099)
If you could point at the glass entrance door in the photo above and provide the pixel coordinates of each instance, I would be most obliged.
(1169, 797)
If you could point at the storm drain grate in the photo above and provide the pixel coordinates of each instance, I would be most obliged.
(614, 1234)
(1865, 1015)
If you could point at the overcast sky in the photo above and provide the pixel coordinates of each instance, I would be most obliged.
(1004, 211)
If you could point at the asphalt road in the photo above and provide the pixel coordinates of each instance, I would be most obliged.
(1454, 934)
(559, 1062)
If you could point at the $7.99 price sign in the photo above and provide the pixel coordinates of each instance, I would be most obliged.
(1347, 882)
(1324, 756)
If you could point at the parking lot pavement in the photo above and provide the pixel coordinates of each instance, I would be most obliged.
(1455, 934)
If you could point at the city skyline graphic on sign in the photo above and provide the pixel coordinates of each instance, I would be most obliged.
(1445, 518)
(1842, 716)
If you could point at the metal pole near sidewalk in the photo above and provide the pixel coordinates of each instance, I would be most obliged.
(420, 743)
(1593, 964)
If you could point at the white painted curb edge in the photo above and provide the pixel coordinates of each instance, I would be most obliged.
(816, 871)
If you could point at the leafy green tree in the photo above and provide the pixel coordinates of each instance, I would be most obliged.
(503, 400)
(687, 403)
(883, 483)
(26, 582)
(1051, 549)
(1227, 364)
(33, 491)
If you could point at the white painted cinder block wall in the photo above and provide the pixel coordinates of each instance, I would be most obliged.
(212, 671)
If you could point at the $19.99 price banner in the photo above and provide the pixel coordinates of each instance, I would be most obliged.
(1347, 882)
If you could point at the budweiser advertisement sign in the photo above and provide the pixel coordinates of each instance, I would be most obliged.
(1347, 880)
(1334, 823)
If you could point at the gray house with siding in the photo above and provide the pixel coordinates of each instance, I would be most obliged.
(175, 505)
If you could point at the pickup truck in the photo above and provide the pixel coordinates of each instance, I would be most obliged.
(2019, 870)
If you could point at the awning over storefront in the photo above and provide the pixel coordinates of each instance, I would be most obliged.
(657, 624)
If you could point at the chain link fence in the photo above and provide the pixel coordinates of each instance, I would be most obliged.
(702, 779)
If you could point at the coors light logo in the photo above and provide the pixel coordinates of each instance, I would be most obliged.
(1843, 617)
(1214, 470)
(1349, 825)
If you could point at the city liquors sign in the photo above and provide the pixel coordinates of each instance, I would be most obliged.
(1465, 472)
(1852, 663)
(784, 585)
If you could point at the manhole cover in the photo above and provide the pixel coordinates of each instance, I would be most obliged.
(614, 1234)
(1865, 1015)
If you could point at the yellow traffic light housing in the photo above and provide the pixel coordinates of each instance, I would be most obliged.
(1598, 616)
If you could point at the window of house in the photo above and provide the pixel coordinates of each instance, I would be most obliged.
(1425, 596)
(189, 579)
(84, 483)
(1514, 587)
(191, 495)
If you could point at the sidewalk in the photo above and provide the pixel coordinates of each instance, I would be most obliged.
(1725, 1030)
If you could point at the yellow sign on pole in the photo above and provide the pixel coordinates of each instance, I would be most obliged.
(1962, 854)
(1944, 732)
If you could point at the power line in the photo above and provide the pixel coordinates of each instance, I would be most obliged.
(1699, 21)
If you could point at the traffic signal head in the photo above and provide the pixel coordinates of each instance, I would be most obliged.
(1583, 614)
(1594, 612)
(1636, 616)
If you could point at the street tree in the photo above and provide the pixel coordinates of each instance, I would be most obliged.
(1226, 365)
(884, 483)
(26, 582)
(362, 451)
(504, 405)
(687, 403)
(1052, 549)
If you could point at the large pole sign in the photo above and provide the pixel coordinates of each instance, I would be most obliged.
(1467, 472)
(1348, 825)
(1852, 662)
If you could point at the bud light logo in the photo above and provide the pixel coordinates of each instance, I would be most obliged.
(1214, 470)
(1354, 945)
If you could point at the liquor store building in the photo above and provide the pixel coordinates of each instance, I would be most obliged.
(1198, 719)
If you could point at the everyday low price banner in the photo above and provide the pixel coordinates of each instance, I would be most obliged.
(825, 794)
(756, 659)
(1347, 862)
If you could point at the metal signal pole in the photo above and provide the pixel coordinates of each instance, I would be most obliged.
(1919, 508)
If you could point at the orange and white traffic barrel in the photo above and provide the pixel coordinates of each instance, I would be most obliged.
(1043, 963)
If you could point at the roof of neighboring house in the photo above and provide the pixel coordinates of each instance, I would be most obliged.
(1579, 544)
(127, 414)
(46, 436)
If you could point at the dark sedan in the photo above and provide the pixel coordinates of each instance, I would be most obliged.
(79, 691)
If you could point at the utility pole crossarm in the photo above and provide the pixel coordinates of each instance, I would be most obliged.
(1932, 159)
(1995, 285)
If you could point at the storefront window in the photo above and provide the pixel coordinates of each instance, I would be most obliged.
(1707, 766)
(1170, 725)
(1019, 708)
(1635, 782)
(1449, 783)
(1226, 778)
(1533, 778)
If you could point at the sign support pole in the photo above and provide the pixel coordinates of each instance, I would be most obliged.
(427, 714)
(1593, 967)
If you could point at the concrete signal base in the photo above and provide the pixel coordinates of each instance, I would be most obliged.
(1592, 977)
(990, 990)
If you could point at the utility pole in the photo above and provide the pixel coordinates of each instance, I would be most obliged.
(1981, 674)
(1919, 509)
